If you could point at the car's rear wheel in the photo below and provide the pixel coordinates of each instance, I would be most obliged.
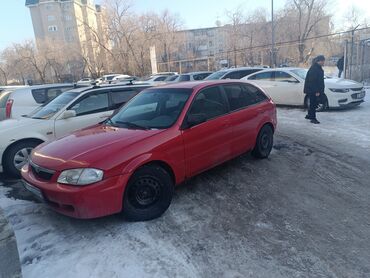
(321, 106)
(264, 142)
(17, 156)
(148, 193)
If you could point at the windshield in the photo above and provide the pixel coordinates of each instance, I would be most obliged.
(300, 72)
(51, 108)
(216, 75)
(154, 108)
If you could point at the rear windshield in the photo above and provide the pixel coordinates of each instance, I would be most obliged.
(51, 108)
(4, 95)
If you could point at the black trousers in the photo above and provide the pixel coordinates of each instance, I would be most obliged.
(313, 105)
(340, 73)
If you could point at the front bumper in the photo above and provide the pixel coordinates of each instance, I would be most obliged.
(350, 99)
(85, 202)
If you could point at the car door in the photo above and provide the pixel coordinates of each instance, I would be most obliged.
(90, 109)
(207, 144)
(288, 90)
(267, 82)
(246, 114)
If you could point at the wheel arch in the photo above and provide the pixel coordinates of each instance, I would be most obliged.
(33, 139)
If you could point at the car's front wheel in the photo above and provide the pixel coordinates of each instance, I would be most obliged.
(17, 156)
(264, 142)
(148, 193)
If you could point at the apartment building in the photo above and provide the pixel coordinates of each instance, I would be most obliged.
(76, 23)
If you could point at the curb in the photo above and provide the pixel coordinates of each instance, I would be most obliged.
(10, 266)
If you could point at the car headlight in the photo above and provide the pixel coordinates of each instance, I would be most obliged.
(339, 90)
(82, 176)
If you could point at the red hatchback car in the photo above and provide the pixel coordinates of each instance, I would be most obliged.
(165, 135)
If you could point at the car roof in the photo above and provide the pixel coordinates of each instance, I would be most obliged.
(241, 68)
(115, 86)
(198, 84)
(45, 86)
(196, 72)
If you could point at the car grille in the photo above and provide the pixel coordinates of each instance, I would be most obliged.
(357, 89)
(40, 172)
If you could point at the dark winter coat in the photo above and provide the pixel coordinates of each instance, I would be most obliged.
(314, 82)
(340, 63)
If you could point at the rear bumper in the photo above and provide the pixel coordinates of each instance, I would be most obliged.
(85, 202)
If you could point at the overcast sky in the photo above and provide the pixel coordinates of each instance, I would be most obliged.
(16, 24)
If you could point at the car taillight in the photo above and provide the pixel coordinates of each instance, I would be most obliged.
(8, 108)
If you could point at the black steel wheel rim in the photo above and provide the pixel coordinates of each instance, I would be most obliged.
(265, 141)
(145, 192)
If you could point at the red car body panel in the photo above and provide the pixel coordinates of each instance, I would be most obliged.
(119, 152)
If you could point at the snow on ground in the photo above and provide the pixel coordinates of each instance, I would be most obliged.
(348, 127)
(277, 218)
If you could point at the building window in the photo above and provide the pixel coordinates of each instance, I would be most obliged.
(49, 7)
(51, 17)
(52, 28)
(68, 17)
(69, 28)
(66, 6)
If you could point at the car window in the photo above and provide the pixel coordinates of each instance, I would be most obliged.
(210, 102)
(54, 92)
(120, 97)
(216, 75)
(233, 75)
(265, 76)
(154, 108)
(39, 95)
(200, 76)
(44, 95)
(255, 95)
(94, 103)
(51, 108)
(237, 97)
(160, 78)
(247, 72)
(281, 76)
(184, 77)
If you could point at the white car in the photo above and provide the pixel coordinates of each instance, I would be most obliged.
(120, 78)
(23, 101)
(155, 80)
(85, 81)
(285, 86)
(72, 110)
(107, 79)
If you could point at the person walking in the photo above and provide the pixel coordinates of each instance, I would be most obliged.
(314, 86)
(340, 66)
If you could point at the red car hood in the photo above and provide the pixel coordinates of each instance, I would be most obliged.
(85, 147)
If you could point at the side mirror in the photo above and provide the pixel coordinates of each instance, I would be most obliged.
(195, 119)
(68, 114)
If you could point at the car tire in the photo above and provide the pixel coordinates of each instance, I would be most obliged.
(22, 150)
(264, 142)
(322, 106)
(148, 193)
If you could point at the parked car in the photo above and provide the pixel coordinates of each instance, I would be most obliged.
(23, 101)
(285, 86)
(168, 73)
(233, 73)
(70, 111)
(192, 76)
(4, 95)
(86, 81)
(11, 88)
(171, 78)
(163, 136)
(106, 79)
(121, 78)
(154, 79)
